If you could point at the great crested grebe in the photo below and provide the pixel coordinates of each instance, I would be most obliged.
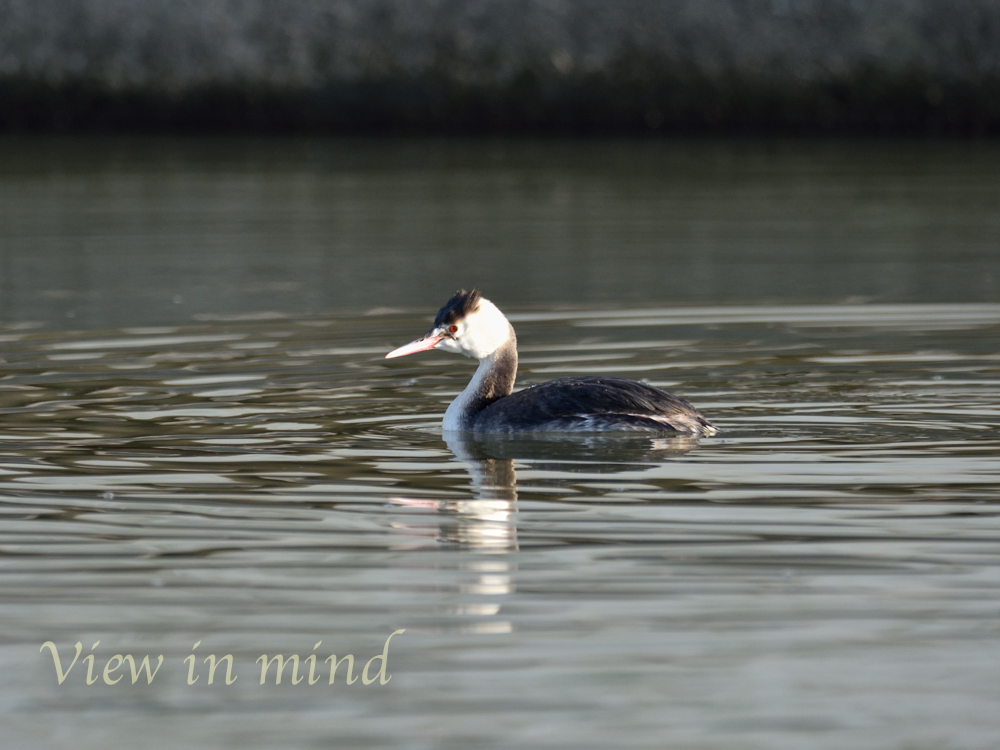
(470, 324)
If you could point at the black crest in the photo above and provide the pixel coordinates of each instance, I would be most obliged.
(462, 304)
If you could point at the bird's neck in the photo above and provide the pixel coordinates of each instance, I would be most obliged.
(493, 380)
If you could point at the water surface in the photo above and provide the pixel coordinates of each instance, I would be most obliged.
(823, 573)
(105, 233)
(200, 442)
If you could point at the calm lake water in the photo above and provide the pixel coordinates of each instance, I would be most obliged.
(200, 442)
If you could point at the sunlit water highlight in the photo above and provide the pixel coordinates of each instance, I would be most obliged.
(823, 573)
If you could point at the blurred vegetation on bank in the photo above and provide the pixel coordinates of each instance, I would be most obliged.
(500, 66)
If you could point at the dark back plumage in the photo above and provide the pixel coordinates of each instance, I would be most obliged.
(592, 404)
(461, 304)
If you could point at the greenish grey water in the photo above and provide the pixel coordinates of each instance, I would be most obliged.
(243, 469)
(106, 233)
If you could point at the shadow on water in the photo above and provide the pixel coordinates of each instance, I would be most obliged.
(600, 452)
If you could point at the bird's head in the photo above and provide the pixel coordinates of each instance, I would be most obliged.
(468, 324)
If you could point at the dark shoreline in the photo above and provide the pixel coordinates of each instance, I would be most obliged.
(578, 67)
(578, 108)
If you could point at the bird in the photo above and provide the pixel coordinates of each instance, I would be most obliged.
(470, 324)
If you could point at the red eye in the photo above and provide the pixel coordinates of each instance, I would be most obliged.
(453, 328)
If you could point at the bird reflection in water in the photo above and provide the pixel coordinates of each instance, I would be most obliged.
(486, 523)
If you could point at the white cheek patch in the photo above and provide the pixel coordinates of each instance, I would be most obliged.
(451, 345)
(484, 331)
